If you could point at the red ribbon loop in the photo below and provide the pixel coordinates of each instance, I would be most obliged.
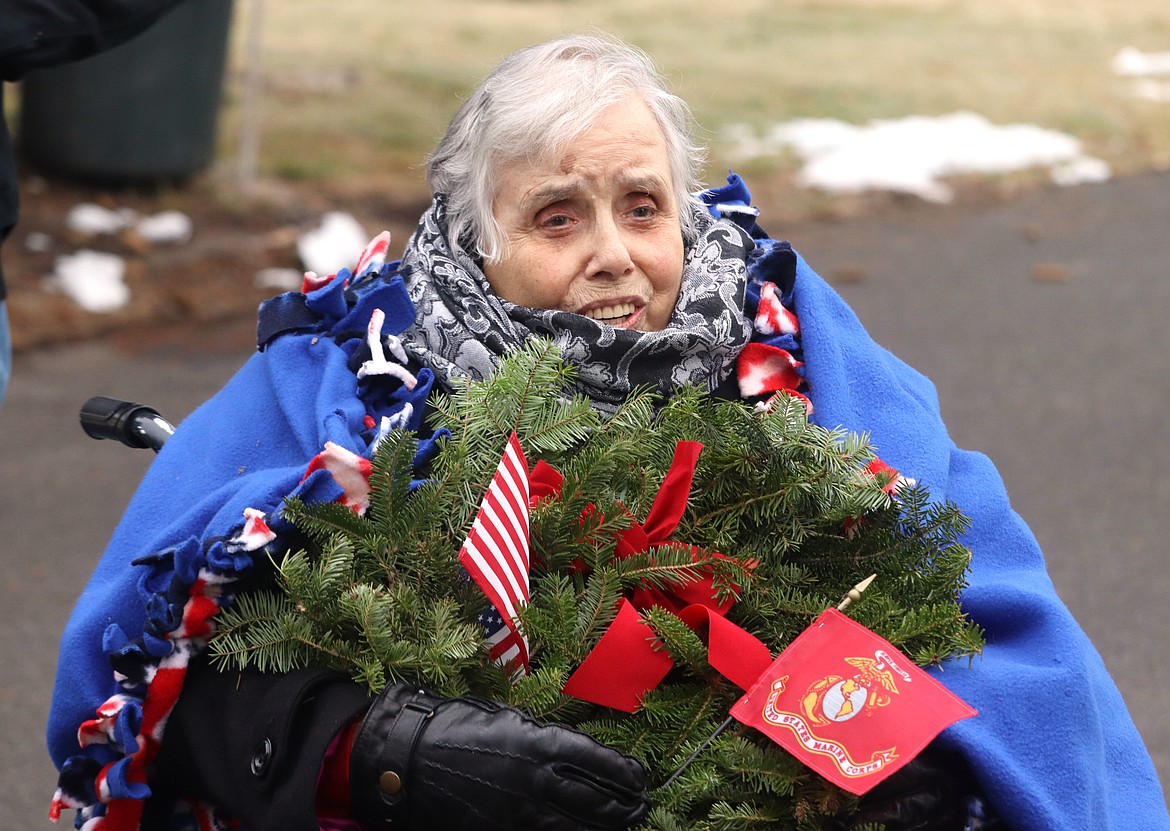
(669, 505)
(544, 481)
(661, 521)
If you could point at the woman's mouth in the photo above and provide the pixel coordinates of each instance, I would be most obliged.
(611, 314)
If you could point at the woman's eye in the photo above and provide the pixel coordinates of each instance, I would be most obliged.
(643, 212)
(555, 220)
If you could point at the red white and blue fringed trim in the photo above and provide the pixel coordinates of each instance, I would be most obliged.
(197, 580)
(190, 583)
(771, 364)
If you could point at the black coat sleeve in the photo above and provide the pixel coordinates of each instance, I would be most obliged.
(38, 33)
(252, 744)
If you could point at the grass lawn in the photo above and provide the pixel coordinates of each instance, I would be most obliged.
(356, 92)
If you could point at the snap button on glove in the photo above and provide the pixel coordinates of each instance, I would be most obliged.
(425, 762)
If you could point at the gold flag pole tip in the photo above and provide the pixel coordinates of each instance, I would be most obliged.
(854, 593)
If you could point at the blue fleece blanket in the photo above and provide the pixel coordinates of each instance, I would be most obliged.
(1053, 746)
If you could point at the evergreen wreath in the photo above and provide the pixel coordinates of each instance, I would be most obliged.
(796, 511)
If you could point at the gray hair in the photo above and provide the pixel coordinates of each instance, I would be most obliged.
(534, 103)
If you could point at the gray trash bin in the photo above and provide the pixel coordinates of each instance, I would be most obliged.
(143, 112)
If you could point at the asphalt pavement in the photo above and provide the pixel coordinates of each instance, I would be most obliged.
(1041, 321)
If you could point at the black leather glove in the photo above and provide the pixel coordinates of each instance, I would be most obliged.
(933, 792)
(424, 762)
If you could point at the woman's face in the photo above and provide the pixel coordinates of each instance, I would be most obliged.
(596, 232)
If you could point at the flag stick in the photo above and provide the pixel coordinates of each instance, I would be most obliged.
(726, 723)
(853, 595)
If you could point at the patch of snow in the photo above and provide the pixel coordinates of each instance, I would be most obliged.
(166, 227)
(93, 279)
(1082, 171)
(92, 219)
(278, 279)
(1134, 63)
(333, 245)
(1143, 68)
(1151, 89)
(911, 155)
(38, 241)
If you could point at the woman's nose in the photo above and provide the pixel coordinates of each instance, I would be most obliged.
(611, 254)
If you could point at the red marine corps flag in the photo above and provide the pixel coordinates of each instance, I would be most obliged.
(848, 704)
(496, 555)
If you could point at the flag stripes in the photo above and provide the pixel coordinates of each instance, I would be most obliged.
(496, 552)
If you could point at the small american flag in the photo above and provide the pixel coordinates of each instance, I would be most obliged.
(505, 646)
(496, 554)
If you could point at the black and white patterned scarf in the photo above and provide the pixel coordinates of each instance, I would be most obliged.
(462, 328)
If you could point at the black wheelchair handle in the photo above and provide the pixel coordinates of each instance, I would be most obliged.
(134, 425)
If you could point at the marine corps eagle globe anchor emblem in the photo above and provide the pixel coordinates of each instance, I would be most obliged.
(837, 699)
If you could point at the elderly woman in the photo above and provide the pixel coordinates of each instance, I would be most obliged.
(562, 208)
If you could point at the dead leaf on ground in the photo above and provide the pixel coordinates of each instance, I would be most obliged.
(850, 273)
(1050, 272)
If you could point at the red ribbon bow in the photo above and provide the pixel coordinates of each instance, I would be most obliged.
(626, 664)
